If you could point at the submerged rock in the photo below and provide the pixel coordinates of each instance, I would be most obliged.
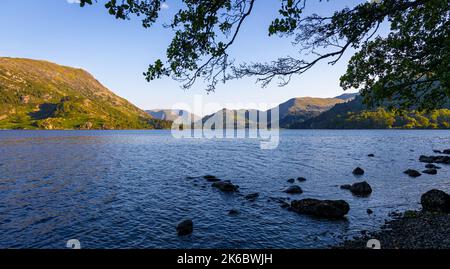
(321, 208)
(291, 180)
(233, 212)
(432, 166)
(412, 173)
(369, 211)
(185, 227)
(371, 155)
(294, 190)
(211, 178)
(358, 171)
(430, 171)
(435, 201)
(361, 188)
(301, 179)
(225, 186)
(252, 197)
(346, 187)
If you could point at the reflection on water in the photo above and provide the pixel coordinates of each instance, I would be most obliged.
(128, 189)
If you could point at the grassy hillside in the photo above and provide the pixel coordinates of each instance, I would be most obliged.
(354, 115)
(42, 95)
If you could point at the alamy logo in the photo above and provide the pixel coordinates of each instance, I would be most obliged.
(260, 123)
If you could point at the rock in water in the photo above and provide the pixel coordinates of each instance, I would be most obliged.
(185, 227)
(225, 186)
(430, 171)
(446, 151)
(294, 190)
(346, 187)
(435, 201)
(371, 155)
(358, 171)
(233, 212)
(432, 166)
(291, 180)
(211, 178)
(321, 208)
(301, 179)
(369, 211)
(361, 188)
(252, 197)
(435, 159)
(412, 173)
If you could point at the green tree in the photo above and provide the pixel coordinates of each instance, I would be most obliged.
(409, 67)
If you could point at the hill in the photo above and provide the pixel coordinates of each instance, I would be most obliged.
(355, 115)
(42, 95)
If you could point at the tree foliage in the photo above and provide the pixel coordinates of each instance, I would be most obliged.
(409, 66)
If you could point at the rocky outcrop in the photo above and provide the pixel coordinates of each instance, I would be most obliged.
(331, 209)
(435, 201)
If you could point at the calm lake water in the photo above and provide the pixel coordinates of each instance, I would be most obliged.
(129, 189)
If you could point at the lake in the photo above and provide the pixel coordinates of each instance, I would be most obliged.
(129, 189)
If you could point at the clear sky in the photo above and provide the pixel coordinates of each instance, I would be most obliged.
(117, 52)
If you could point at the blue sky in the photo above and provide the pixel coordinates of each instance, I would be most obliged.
(118, 52)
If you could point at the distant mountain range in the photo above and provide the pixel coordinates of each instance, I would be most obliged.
(346, 111)
(291, 112)
(42, 95)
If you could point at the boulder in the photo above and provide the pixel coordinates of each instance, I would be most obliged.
(430, 171)
(291, 180)
(358, 171)
(371, 155)
(301, 179)
(185, 227)
(435, 201)
(211, 178)
(294, 190)
(252, 197)
(361, 188)
(369, 211)
(412, 173)
(321, 208)
(225, 186)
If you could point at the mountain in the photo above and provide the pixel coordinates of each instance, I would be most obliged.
(298, 110)
(355, 115)
(291, 112)
(171, 114)
(42, 95)
(347, 96)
